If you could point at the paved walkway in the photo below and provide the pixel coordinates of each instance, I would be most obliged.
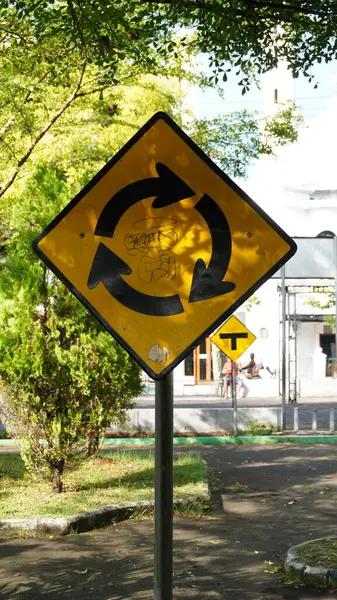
(289, 496)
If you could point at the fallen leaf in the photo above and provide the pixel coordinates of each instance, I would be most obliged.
(17, 574)
(81, 572)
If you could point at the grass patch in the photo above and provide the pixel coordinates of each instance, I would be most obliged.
(320, 553)
(257, 428)
(106, 479)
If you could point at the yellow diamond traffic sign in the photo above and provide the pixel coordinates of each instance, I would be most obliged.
(161, 246)
(233, 338)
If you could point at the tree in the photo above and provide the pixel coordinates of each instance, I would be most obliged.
(62, 98)
(251, 35)
(325, 301)
(54, 55)
(97, 120)
(63, 378)
(44, 74)
(234, 140)
(86, 134)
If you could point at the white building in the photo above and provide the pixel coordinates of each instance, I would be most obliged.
(299, 191)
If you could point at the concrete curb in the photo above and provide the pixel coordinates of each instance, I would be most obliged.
(319, 577)
(94, 518)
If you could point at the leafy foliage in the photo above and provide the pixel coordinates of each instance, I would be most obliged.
(234, 140)
(63, 378)
(68, 63)
(44, 71)
(251, 36)
(326, 301)
(77, 79)
(257, 428)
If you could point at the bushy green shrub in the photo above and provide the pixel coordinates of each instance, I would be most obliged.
(63, 378)
(257, 428)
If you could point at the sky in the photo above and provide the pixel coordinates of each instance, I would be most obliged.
(308, 164)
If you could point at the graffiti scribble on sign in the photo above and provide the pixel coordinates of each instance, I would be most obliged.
(154, 245)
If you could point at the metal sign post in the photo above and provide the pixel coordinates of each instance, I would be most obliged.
(335, 253)
(283, 363)
(234, 400)
(163, 548)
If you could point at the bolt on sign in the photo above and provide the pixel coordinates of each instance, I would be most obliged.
(233, 338)
(161, 246)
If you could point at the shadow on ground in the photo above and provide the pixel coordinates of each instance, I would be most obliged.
(287, 496)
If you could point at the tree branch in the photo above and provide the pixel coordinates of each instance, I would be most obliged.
(43, 132)
(284, 6)
(6, 125)
(276, 7)
(11, 119)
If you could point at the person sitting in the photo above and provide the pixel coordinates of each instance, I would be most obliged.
(251, 368)
(227, 373)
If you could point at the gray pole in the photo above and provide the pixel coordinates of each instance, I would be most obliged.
(331, 420)
(234, 402)
(335, 254)
(163, 548)
(283, 364)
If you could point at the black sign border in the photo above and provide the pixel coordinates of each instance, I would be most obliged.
(224, 316)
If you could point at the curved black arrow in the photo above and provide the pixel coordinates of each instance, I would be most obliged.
(168, 188)
(108, 269)
(207, 281)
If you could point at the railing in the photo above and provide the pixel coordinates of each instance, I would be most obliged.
(327, 416)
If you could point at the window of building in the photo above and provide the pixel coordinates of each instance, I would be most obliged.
(199, 362)
(189, 365)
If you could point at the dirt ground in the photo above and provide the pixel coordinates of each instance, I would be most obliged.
(287, 494)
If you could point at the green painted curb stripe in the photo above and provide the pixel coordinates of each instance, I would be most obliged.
(241, 439)
(260, 439)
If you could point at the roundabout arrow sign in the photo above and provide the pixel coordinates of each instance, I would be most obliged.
(161, 246)
(167, 188)
(108, 268)
(208, 281)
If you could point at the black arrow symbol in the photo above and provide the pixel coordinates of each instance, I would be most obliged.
(168, 188)
(108, 268)
(207, 281)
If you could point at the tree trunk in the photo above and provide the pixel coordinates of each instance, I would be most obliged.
(92, 442)
(57, 477)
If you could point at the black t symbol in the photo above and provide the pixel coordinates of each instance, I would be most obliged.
(233, 337)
